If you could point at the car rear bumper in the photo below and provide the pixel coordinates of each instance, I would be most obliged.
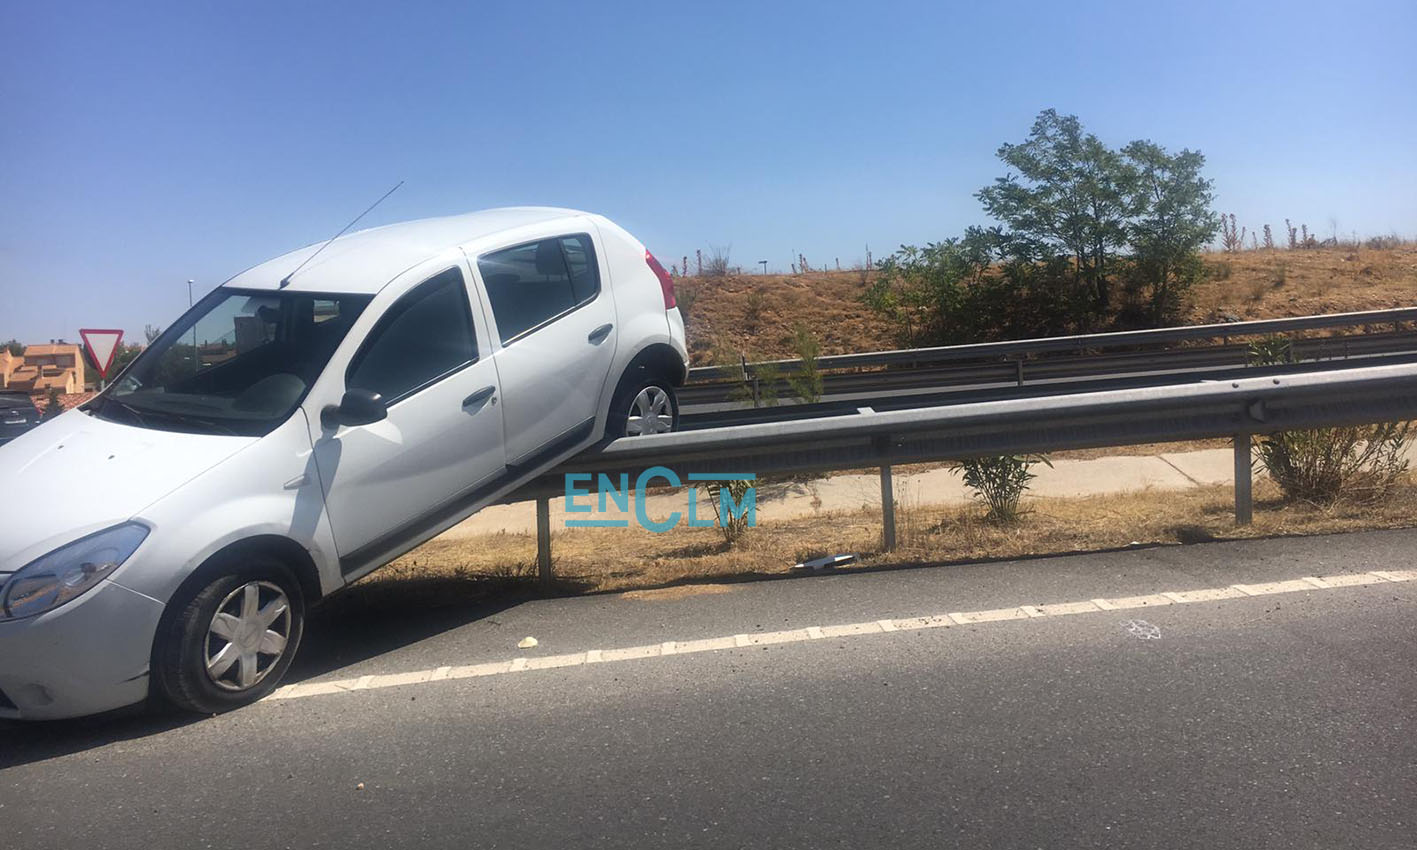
(85, 657)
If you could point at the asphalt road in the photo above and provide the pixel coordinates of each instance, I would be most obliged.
(1284, 719)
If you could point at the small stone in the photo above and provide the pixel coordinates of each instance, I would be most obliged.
(359, 787)
(526, 643)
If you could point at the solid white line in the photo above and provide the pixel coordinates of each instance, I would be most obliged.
(1307, 584)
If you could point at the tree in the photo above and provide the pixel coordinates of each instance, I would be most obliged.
(15, 347)
(806, 382)
(1172, 222)
(1071, 194)
(926, 292)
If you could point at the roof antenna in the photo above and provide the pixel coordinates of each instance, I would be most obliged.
(285, 281)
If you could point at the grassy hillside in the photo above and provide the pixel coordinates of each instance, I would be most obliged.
(755, 314)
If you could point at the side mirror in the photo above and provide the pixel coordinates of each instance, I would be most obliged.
(358, 407)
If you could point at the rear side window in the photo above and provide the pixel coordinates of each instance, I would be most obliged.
(425, 335)
(532, 284)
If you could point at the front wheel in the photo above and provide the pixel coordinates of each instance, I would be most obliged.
(229, 642)
(643, 404)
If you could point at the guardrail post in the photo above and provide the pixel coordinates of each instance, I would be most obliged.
(887, 509)
(1244, 503)
(543, 540)
(1018, 369)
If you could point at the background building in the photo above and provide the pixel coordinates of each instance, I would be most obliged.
(56, 365)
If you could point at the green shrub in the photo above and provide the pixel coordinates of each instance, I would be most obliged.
(1320, 465)
(999, 482)
(756, 304)
(1360, 462)
(733, 526)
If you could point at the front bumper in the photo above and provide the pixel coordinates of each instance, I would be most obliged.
(88, 656)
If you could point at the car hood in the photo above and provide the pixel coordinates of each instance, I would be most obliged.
(77, 474)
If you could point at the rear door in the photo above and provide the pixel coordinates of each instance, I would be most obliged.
(555, 324)
(443, 435)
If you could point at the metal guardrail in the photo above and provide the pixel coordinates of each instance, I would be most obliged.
(891, 387)
(1235, 409)
(1078, 342)
(943, 391)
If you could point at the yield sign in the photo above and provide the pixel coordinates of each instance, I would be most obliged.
(102, 345)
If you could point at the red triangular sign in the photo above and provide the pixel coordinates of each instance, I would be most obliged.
(102, 345)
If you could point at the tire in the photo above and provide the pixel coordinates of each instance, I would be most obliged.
(210, 655)
(640, 392)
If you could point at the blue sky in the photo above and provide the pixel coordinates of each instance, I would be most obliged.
(143, 147)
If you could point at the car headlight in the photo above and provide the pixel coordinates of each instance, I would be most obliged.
(69, 571)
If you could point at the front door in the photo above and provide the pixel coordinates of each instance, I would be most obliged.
(443, 434)
(556, 324)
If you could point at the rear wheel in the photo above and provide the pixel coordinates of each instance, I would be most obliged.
(644, 403)
(229, 641)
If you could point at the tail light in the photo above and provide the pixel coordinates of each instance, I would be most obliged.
(666, 283)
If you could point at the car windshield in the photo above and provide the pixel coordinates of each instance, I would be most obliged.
(239, 362)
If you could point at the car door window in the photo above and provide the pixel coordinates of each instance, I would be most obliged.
(580, 262)
(424, 336)
(530, 285)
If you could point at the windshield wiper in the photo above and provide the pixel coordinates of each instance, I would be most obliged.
(141, 416)
(189, 419)
(130, 409)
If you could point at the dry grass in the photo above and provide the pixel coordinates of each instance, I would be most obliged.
(1271, 284)
(755, 314)
(653, 565)
(1321, 280)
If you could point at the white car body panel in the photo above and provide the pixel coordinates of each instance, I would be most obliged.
(125, 469)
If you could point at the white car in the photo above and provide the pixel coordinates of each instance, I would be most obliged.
(297, 429)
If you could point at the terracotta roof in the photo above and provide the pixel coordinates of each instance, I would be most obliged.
(67, 401)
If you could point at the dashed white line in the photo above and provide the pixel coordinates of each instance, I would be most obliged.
(1307, 584)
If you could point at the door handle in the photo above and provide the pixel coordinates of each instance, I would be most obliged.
(598, 335)
(476, 399)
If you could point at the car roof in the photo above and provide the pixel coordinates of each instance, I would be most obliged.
(364, 261)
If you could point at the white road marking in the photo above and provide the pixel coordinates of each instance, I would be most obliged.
(1306, 584)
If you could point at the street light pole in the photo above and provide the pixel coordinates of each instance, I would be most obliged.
(764, 264)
